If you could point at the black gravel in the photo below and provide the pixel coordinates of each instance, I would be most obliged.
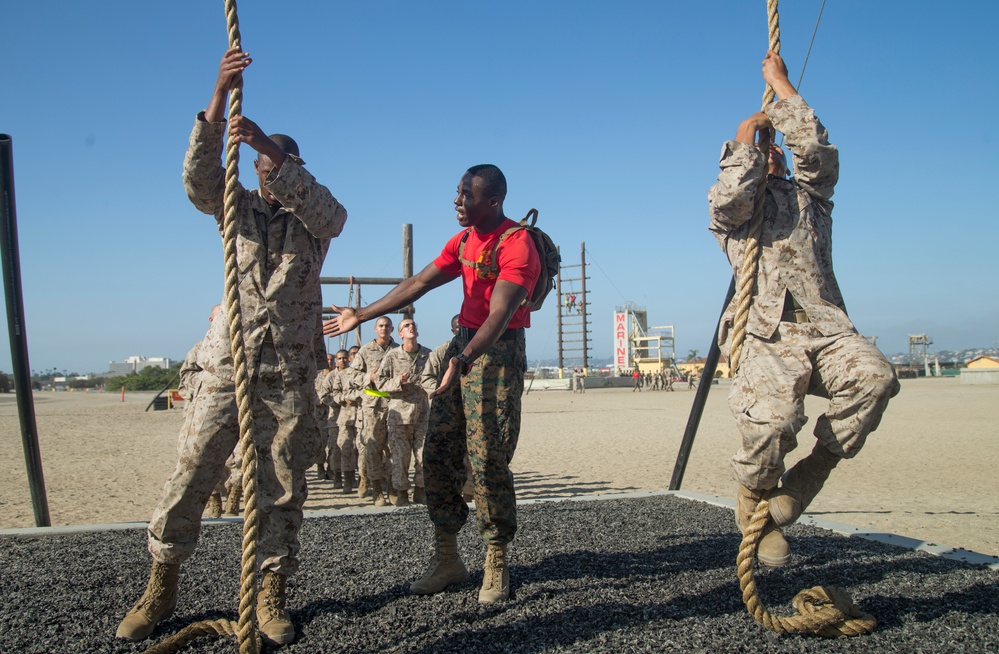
(654, 574)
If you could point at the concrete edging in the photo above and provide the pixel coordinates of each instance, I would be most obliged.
(850, 531)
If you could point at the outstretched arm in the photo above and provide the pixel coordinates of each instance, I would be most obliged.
(405, 293)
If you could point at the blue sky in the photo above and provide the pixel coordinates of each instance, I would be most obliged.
(607, 117)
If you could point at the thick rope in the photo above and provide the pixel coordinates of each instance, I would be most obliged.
(822, 610)
(197, 630)
(750, 261)
(246, 632)
(245, 629)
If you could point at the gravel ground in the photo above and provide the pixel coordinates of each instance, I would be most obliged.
(626, 575)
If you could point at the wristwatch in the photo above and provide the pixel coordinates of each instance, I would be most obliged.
(466, 363)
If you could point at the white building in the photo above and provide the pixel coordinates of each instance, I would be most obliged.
(137, 364)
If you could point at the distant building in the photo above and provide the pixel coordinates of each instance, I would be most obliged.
(696, 366)
(983, 362)
(981, 370)
(136, 365)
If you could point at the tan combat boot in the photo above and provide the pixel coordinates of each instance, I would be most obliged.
(800, 485)
(376, 490)
(272, 617)
(401, 498)
(364, 488)
(155, 605)
(495, 575)
(348, 483)
(214, 507)
(772, 549)
(232, 502)
(446, 567)
(419, 495)
(337, 479)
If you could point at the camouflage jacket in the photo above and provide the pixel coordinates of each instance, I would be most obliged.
(366, 361)
(433, 371)
(327, 406)
(341, 389)
(796, 238)
(189, 370)
(279, 252)
(407, 401)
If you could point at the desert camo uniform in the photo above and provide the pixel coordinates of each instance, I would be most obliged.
(799, 338)
(374, 410)
(407, 412)
(280, 253)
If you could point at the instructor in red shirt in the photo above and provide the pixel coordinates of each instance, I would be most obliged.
(477, 406)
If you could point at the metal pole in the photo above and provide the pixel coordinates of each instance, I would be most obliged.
(18, 337)
(700, 398)
(583, 312)
(558, 310)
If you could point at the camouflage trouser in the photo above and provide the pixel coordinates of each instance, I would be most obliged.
(326, 443)
(480, 416)
(374, 442)
(330, 453)
(345, 438)
(362, 461)
(406, 444)
(233, 472)
(286, 437)
(767, 397)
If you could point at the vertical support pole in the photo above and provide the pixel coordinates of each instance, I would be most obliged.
(583, 310)
(357, 331)
(18, 336)
(700, 398)
(407, 262)
(558, 311)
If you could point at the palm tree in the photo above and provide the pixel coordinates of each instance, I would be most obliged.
(692, 355)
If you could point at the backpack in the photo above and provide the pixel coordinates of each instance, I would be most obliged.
(547, 253)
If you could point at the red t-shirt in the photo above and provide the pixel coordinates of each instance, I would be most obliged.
(518, 263)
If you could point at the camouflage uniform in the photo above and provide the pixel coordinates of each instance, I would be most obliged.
(279, 256)
(480, 415)
(407, 412)
(326, 413)
(333, 391)
(787, 353)
(430, 379)
(374, 433)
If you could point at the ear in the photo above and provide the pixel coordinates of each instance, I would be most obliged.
(256, 166)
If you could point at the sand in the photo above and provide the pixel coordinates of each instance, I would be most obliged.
(929, 472)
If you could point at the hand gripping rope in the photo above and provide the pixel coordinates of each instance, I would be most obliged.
(244, 630)
(823, 610)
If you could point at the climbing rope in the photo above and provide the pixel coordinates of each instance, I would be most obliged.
(244, 629)
(751, 258)
(822, 610)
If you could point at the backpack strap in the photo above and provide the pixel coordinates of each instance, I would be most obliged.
(494, 267)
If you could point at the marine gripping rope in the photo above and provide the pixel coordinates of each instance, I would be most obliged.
(244, 629)
(823, 610)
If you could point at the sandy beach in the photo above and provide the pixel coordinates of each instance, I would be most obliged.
(927, 473)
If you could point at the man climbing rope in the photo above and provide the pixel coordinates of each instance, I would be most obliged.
(284, 232)
(799, 339)
(477, 405)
